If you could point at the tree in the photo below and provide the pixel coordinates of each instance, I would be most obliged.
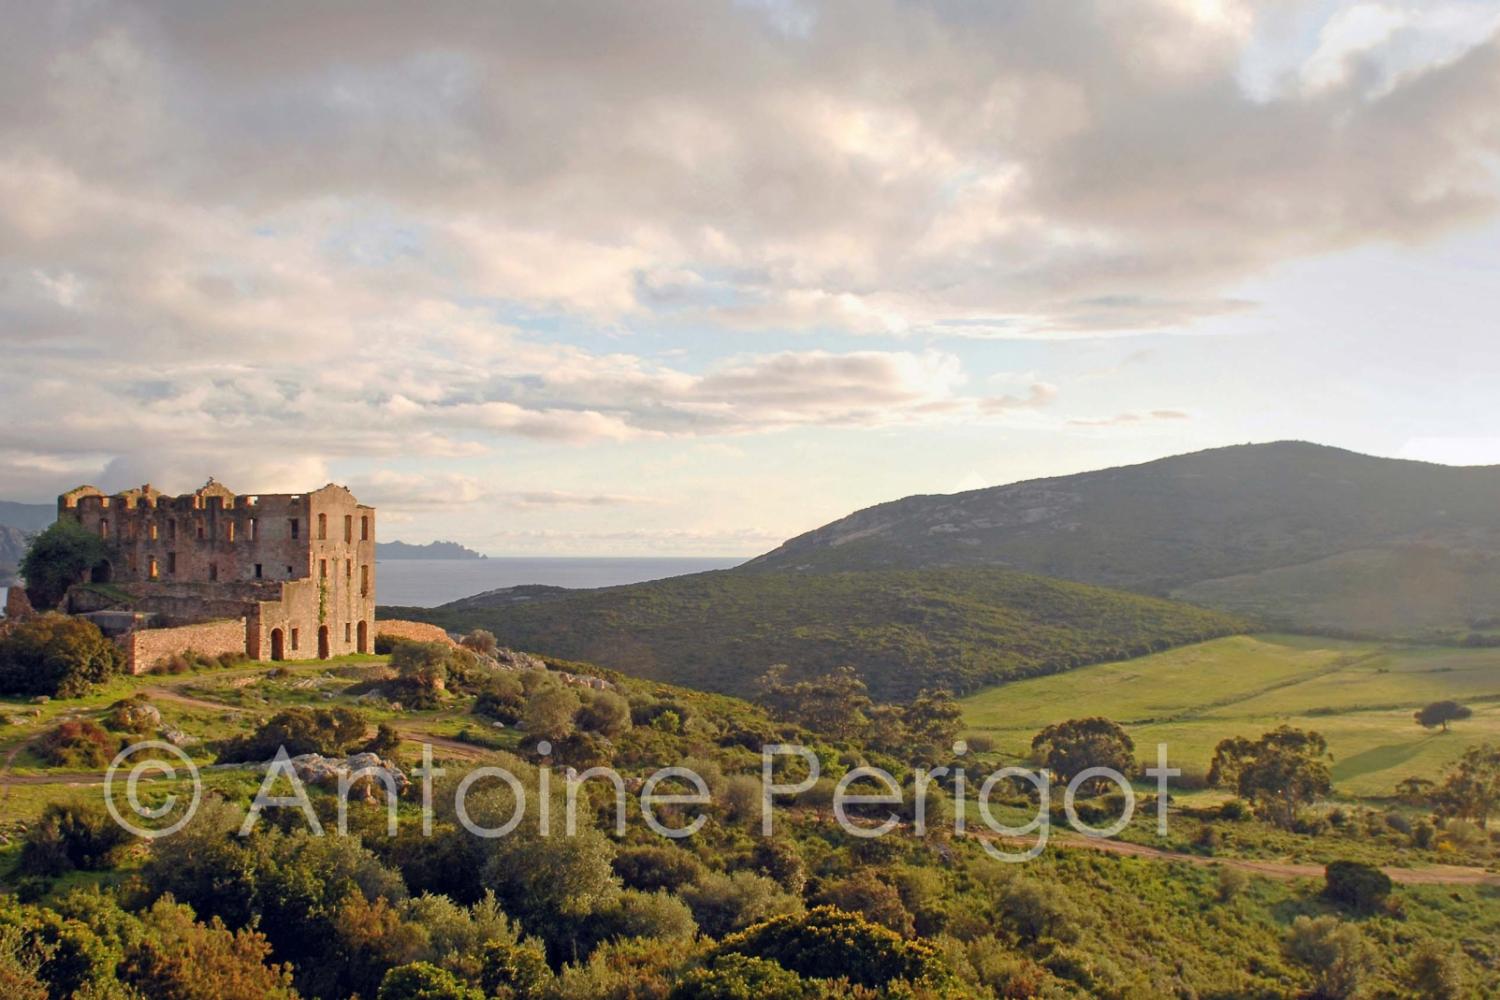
(834, 705)
(1440, 713)
(1278, 774)
(724, 903)
(56, 655)
(481, 641)
(605, 713)
(826, 943)
(1435, 972)
(422, 981)
(72, 835)
(1068, 748)
(932, 723)
(739, 977)
(58, 558)
(1356, 884)
(1336, 954)
(551, 713)
(181, 959)
(868, 896)
(1472, 790)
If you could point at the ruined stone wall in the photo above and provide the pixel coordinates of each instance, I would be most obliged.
(299, 567)
(412, 631)
(147, 647)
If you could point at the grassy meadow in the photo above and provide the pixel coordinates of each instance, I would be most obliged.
(1359, 695)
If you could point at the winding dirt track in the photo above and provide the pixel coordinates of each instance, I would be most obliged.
(1280, 870)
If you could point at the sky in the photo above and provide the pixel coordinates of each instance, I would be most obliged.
(689, 278)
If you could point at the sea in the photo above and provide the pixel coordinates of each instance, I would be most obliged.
(425, 583)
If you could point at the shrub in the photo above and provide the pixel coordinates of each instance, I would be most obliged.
(873, 899)
(502, 698)
(1356, 884)
(1335, 953)
(386, 742)
(300, 730)
(740, 977)
(481, 641)
(57, 656)
(724, 903)
(550, 712)
(605, 713)
(71, 835)
(825, 944)
(519, 970)
(422, 981)
(80, 744)
(385, 643)
(181, 959)
(654, 868)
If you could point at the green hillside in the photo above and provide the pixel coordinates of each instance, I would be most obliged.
(1310, 536)
(1360, 696)
(903, 630)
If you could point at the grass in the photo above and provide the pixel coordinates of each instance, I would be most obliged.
(1360, 696)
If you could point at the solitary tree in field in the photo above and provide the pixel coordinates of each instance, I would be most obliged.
(1440, 713)
(1068, 748)
(1279, 773)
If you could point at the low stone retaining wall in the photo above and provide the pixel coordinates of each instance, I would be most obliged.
(412, 631)
(144, 648)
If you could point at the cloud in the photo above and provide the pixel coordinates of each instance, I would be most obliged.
(1123, 419)
(376, 244)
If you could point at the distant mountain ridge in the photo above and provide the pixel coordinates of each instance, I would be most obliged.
(30, 517)
(1249, 528)
(432, 550)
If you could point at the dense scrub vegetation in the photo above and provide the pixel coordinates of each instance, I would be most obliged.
(56, 656)
(811, 911)
(959, 629)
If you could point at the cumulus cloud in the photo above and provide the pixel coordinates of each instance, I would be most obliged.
(304, 235)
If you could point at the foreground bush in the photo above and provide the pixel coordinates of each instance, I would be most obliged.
(826, 943)
(326, 731)
(57, 656)
(72, 835)
(78, 744)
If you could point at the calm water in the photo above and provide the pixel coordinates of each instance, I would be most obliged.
(428, 582)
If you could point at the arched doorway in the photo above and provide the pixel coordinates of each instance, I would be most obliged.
(102, 572)
(323, 652)
(278, 644)
(364, 637)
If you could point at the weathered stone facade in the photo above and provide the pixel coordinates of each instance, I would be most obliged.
(298, 568)
(406, 631)
(145, 648)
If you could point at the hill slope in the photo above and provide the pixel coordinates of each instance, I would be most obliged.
(1244, 516)
(903, 630)
(27, 516)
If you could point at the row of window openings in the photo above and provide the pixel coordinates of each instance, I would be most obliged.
(293, 524)
(295, 635)
(154, 571)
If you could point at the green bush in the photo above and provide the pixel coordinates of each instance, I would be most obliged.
(57, 656)
(421, 981)
(71, 835)
(325, 731)
(1356, 884)
(826, 943)
(739, 977)
(654, 868)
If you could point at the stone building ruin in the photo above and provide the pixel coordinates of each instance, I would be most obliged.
(276, 576)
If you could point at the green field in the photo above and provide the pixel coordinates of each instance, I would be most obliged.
(1361, 696)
